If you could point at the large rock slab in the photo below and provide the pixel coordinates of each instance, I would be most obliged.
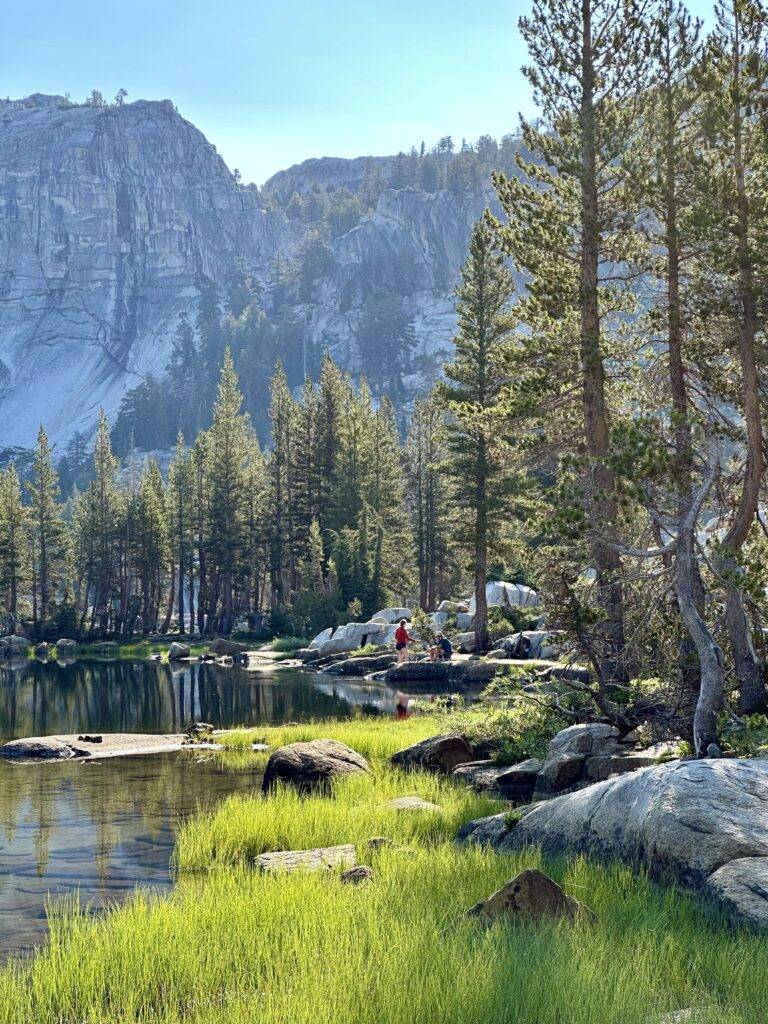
(437, 753)
(323, 858)
(698, 823)
(362, 666)
(312, 765)
(529, 896)
(43, 748)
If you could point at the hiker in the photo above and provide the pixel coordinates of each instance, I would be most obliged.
(402, 639)
(441, 650)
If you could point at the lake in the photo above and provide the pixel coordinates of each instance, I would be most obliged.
(101, 828)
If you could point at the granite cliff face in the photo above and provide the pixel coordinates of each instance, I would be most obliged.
(110, 219)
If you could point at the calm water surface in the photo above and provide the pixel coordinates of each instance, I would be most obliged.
(101, 828)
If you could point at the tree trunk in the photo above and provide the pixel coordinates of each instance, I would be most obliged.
(169, 609)
(752, 693)
(602, 504)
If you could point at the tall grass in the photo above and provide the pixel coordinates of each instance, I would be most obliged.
(231, 946)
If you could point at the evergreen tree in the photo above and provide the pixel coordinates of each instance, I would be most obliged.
(47, 532)
(428, 500)
(225, 464)
(570, 217)
(481, 483)
(14, 552)
(180, 501)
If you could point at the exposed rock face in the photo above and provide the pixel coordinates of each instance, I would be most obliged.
(529, 896)
(312, 765)
(111, 217)
(702, 823)
(108, 218)
(438, 753)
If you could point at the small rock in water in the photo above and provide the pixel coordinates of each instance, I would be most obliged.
(88, 738)
(358, 875)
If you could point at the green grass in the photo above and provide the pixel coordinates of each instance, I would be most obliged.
(289, 644)
(231, 946)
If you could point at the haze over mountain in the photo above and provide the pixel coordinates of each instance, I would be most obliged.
(114, 217)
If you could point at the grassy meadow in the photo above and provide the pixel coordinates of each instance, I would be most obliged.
(230, 945)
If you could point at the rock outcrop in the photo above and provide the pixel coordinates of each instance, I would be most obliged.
(109, 219)
(312, 765)
(112, 217)
(702, 824)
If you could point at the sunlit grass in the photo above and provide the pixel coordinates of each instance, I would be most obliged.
(232, 946)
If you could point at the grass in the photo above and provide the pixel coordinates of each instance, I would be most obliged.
(289, 644)
(231, 946)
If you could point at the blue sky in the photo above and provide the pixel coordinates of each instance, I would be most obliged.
(273, 83)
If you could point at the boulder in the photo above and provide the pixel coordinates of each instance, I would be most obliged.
(529, 896)
(465, 643)
(535, 644)
(312, 765)
(39, 748)
(437, 753)
(393, 615)
(323, 858)
(519, 782)
(358, 875)
(418, 672)
(700, 824)
(447, 607)
(15, 642)
(230, 647)
(362, 666)
(412, 803)
(602, 767)
(569, 751)
(480, 775)
(438, 619)
(41, 651)
(499, 594)
(463, 620)
(462, 607)
(321, 639)
(66, 646)
(178, 651)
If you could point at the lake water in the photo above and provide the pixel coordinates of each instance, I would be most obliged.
(101, 828)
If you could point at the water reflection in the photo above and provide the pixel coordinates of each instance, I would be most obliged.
(39, 699)
(97, 829)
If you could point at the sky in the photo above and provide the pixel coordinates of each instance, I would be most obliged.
(274, 82)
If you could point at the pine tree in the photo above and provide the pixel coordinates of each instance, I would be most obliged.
(283, 509)
(569, 217)
(732, 218)
(428, 499)
(225, 464)
(150, 547)
(47, 531)
(474, 381)
(180, 501)
(14, 550)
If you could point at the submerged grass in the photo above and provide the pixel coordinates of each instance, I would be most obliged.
(234, 946)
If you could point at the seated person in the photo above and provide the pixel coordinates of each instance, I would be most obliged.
(441, 649)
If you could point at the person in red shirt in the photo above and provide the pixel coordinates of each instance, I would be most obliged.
(402, 639)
